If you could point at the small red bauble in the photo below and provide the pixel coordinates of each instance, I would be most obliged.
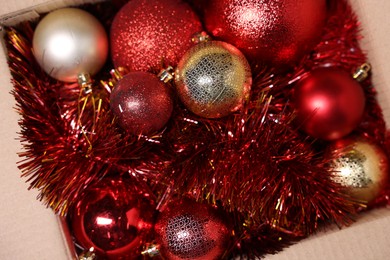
(145, 33)
(142, 103)
(114, 217)
(189, 230)
(329, 103)
(279, 32)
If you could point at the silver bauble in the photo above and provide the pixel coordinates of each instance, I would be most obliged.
(69, 42)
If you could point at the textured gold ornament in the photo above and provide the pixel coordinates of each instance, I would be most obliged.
(213, 79)
(360, 166)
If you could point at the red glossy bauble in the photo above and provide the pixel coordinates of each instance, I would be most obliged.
(145, 33)
(329, 103)
(114, 217)
(189, 230)
(278, 32)
(142, 103)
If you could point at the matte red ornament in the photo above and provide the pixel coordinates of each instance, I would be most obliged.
(189, 230)
(142, 103)
(114, 217)
(145, 33)
(280, 32)
(329, 103)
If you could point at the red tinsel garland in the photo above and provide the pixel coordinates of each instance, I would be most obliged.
(271, 179)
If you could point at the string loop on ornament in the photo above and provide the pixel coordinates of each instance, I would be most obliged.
(85, 82)
(88, 255)
(362, 72)
(167, 74)
(151, 251)
(200, 37)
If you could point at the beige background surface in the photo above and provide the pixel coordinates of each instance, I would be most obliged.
(29, 231)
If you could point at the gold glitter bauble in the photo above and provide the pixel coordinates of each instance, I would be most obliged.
(213, 79)
(360, 166)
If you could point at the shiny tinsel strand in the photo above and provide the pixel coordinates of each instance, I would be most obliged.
(69, 138)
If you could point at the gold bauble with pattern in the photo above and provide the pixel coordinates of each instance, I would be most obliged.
(213, 79)
(361, 166)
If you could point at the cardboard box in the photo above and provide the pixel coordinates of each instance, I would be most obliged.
(30, 231)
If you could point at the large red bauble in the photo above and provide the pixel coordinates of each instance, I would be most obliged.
(279, 32)
(142, 103)
(114, 217)
(329, 103)
(145, 33)
(189, 230)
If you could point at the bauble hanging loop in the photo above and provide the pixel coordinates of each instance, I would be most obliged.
(88, 254)
(362, 72)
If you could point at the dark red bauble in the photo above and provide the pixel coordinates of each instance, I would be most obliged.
(329, 103)
(189, 230)
(142, 103)
(114, 217)
(145, 33)
(277, 32)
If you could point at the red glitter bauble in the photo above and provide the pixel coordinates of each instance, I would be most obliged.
(142, 103)
(189, 230)
(329, 103)
(114, 217)
(279, 32)
(145, 33)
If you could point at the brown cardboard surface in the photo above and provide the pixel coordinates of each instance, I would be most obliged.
(30, 231)
(367, 239)
(27, 229)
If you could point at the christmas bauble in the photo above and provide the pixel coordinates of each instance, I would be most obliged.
(114, 217)
(279, 32)
(189, 230)
(329, 103)
(142, 103)
(146, 33)
(361, 166)
(213, 79)
(69, 42)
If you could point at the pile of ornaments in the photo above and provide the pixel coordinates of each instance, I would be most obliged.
(211, 74)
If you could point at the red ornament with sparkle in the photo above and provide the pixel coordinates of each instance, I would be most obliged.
(189, 230)
(114, 217)
(279, 32)
(142, 103)
(329, 103)
(145, 33)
